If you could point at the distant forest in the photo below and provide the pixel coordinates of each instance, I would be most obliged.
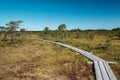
(62, 33)
(10, 31)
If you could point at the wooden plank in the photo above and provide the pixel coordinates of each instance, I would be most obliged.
(109, 71)
(85, 53)
(97, 71)
(103, 71)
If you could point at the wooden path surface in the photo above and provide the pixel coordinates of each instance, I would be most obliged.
(102, 68)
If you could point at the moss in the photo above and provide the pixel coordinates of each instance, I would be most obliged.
(34, 59)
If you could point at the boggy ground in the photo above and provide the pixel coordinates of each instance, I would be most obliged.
(97, 47)
(37, 60)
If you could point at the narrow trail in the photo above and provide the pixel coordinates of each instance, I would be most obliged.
(102, 68)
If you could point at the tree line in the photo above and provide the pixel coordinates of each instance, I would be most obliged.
(62, 33)
(10, 31)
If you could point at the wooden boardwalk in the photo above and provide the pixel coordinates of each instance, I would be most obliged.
(102, 68)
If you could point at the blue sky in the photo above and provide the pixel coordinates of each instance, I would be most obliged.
(83, 14)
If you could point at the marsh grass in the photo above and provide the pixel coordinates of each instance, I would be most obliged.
(38, 60)
(97, 47)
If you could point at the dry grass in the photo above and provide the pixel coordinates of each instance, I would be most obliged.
(96, 46)
(37, 60)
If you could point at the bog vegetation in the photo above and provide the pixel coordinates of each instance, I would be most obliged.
(24, 56)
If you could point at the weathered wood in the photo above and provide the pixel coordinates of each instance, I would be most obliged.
(102, 69)
(109, 71)
(97, 71)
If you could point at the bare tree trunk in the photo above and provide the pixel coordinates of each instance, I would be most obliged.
(13, 37)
